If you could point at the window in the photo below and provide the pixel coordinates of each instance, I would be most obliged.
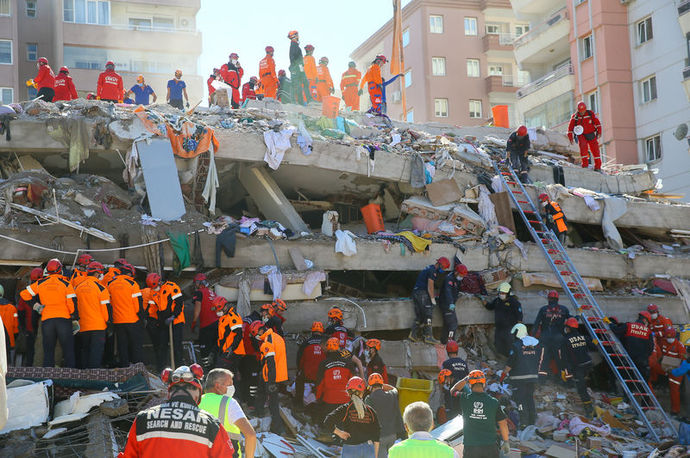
(86, 11)
(31, 8)
(522, 77)
(552, 113)
(470, 26)
(495, 70)
(409, 116)
(438, 66)
(475, 108)
(6, 95)
(408, 78)
(593, 101)
(493, 29)
(648, 88)
(473, 68)
(31, 52)
(521, 29)
(586, 50)
(441, 108)
(5, 51)
(406, 37)
(653, 148)
(644, 30)
(164, 23)
(435, 24)
(4, 7)
(139, 23)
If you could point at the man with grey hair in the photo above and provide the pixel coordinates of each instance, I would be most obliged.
(218, 401)
(419, 420)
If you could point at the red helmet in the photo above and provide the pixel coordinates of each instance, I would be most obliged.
(581, 106)
(335, 313)
(572, 323)
(281, 73)
(128, 269)
(279, 305)
(444, 375)
(120, 262)
(461, 269)
(646, 315)
(233, 55)
(64, 69)
(153, 280)
(292, 34)
(254, 79)
(255, 327)
(323, 60)
(183, 374)
(43, 60)
(374, 343)
(309, 48)
(443, 262)
(95, 267)
(382, 58)
(317, 326)
(269, 49)
(84, 259)
(199, 277)
(54, 266)
(452, 346)
(36, 273)
(333, 344)
(669, 331)
(653, 308)
(543, 197)
(477, 376)
(553, 294)
(522, 131)
(218, 303)
(375, 379)
(110, 63)
(356, 384)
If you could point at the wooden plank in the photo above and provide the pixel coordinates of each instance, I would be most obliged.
(504, 214)
(442, 192)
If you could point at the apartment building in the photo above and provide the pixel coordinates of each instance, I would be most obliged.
(149, 37)
(458, 60)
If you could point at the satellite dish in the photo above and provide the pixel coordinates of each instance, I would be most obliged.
(578, 130)
(681, 132)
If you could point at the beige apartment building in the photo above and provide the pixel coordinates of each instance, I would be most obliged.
(459, 60)
(149, 37)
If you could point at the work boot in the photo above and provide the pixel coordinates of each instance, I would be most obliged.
(414, 333)
(428, 336)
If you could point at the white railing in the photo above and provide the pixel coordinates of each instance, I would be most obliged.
(150, 28)
(554, 19)
(560, 72)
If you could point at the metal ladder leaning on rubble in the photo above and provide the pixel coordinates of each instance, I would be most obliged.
(638, 392)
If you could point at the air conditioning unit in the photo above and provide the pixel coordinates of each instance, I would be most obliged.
(396, 97)
(185, 22)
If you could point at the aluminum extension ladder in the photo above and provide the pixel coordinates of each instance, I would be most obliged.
(638, 392)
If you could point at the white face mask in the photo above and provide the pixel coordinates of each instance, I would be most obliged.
(655, 316)
(219, 313)
(230, 391)
(670, 339)
(234, 61)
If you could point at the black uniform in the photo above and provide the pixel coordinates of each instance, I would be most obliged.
(507, 313)
(457, 366)
(575, 359)
(525, 361)
(548, 328)
(285, 90)
(637, 339)
(300, 85)
(518, 147)
(450, 290)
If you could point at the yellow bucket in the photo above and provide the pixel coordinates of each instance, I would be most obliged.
(412, 390)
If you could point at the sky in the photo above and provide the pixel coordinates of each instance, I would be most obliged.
(334, 27)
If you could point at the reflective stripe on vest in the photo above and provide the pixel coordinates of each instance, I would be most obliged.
(217, 406)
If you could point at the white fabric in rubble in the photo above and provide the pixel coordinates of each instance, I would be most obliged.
(28, 406)
(497, 184)
(345, 243)
(486, 208)
(576, 426)
(591, 203)
(304, 140)
(243, 292)
(80, 404)
(275, 279)
(330, 219)
(276, 145)
(310, 282)
(614, 208)
(212, 184)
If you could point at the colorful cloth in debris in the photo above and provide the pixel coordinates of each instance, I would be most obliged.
(419, 244)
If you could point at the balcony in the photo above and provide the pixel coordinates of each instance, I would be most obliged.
(546, 80)
(686, 81)
(500, 83)
(126, 36)
(195, 4)
(498, 45)
(684, 16)
(537, 7)
(544, 42)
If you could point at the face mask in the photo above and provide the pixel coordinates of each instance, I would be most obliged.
(234, 61)
(230, 391)
(670, 340)
(220, 313)
(655, 316)
(141, 84)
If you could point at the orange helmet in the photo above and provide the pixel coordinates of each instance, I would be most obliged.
(153, 280)
(375, 379)
(444, 375)
(335, 314)
(374, 343)
(317, 326)
(572, 323)
(292, 34)
(268, 308)
(356, 384)
(255, 327)
(477, 376)
(333, 344)
(279, 305)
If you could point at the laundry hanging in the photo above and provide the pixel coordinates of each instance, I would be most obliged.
(277, 143)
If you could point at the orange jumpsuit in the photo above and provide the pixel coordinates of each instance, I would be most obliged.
(324, 82)
(349, 82)
(267, 75)
(10, 319)
(374, 83)
(310, 72)
(657, 326)
(674, 350)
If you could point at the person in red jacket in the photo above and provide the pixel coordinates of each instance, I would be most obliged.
(668, 345)
(334, 372)
(232, 76)
(248, 89)
(659, 322)
(215, 76)
(586, 126)
(205, 316)
(110, 86)
(64, 86)
(44, 80)
(309, 357)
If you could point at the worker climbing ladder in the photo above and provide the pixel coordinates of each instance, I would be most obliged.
(638, 392)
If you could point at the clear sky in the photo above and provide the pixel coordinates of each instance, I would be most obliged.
(334, 27)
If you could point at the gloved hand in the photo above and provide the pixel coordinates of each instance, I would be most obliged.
(433, 301)
(30, 82)
(564, 375)
(360, 92)
(188, 104)
(119, 101)
(451, 307)
(75, 327)
(168, 321)
(193, 325)
(98, 97)
(38, 307)
(595, 342)
(505, 448)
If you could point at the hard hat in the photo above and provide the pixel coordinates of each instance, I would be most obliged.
(317, 326)
(128, 269)
(504, 288)
(444, 375)
(191, 375)
(356, 384)
(255, 327)
(268, 308)
(645, 314)
(140, 78)
(84, 259)
(233, 55)
(269, 49)
(120, 262)
(199, 277)
(581, 106)
(218, 303)
(374, 343)
(461, 269)
(323, 60)
(572, 323)
(351, 64)
(520, 330)
(94, 267)
(253, 79)
(335, 313)
(292, 34)
(309, 48)
(281, 72)
(669, 331)
(452, 346)
(477, 376)
(153, 280)
(443, 262)
(553, 294)
(653, 308)
(64, 69)
(109, 64)
(43, 60)
(333, 344)
(381, 57)
(280, 305)
(543, 197)
(375, 379)
(54, 266)
(36, 273)
(522, 131)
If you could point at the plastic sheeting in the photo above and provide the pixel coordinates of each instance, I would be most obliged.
(28, 405)
(345, 243)
(486, 208)
(162, 183)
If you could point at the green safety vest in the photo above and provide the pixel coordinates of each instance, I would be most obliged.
(217, 405)
(414, 448)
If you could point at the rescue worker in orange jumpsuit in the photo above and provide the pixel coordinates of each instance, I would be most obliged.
(300, 85)
(273, 369)
(79, 272)
(111, 272)
(10, 320)
(215, 76)
(267, 74)
(206, 317)
(95, 315)
(230, 335)
(248, 89)
(232, 76)
(376, 85)
(349, 82)
(53, 298)
(670, 346)
(310, 70)
(554, 217)
(170, 312)
(588, 136)
(309, 356)
(64, 86)
(659, 322)
(324, 82)
(110, 87)
(44, 80)
(128, 315)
